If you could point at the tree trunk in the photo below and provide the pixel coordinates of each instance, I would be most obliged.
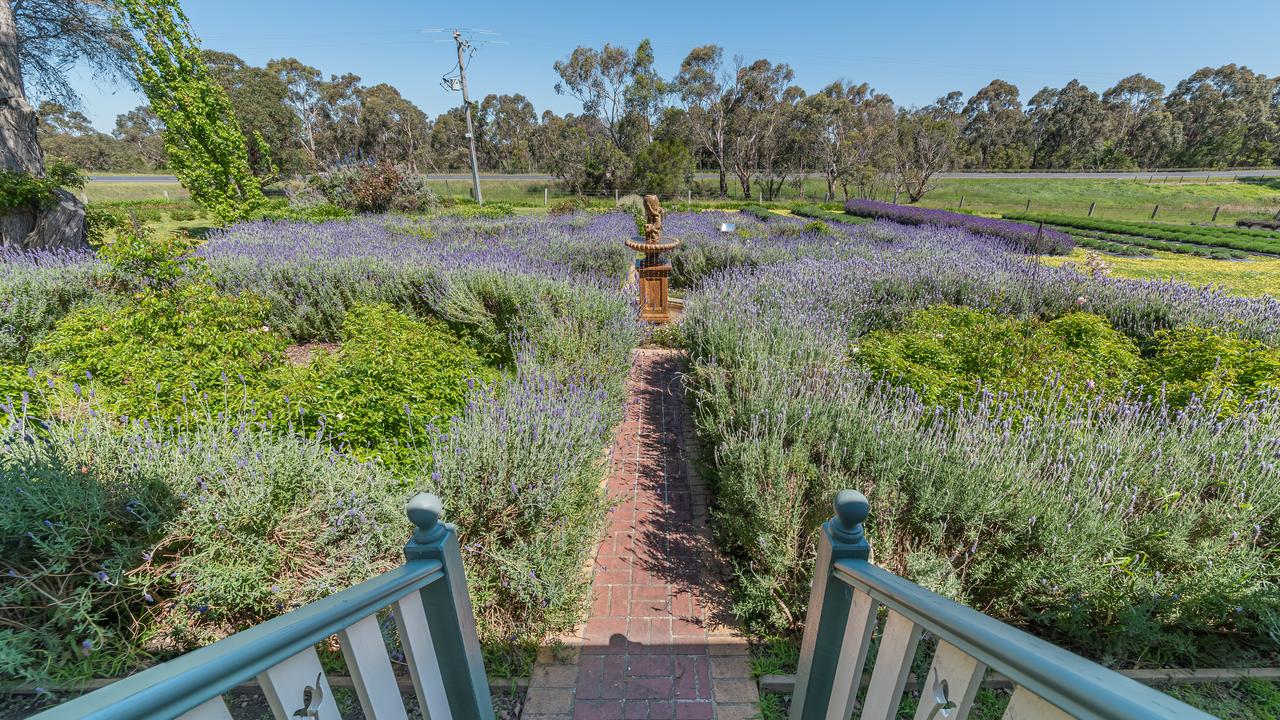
(28, 226)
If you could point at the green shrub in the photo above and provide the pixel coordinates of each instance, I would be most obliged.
(100, 224)
(155, 356)
(392, 376)
(137, 259)
(471, 209)
(1226, 369)
(570, 205)
(945, 353)
(817, 227)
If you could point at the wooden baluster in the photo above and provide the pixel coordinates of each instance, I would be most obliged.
(827, 630)
(951, 684)
(297, 688)
(1026, 705)
(213, 709)
(853, 655)
(893, 663)
(375, 681)
(420, 653)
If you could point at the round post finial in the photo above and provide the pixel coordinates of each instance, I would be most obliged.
(851, 509)
(424, 511)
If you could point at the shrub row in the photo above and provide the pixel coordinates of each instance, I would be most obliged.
(1023, 237)
(813, 211)
(1115, 248)
(759, 212)
(1127, 530)
(1134, 241)
(1215, 237)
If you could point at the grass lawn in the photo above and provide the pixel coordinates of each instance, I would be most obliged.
(116, 191)
(1256, 276)
(1117, 199)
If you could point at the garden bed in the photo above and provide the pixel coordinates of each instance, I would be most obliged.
(1089, 458)
(172, 471)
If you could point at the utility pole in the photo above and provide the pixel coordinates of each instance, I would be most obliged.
(466, 104)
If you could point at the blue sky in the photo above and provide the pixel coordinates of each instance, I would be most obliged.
(915, 51)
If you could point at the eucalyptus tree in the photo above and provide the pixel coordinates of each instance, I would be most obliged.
(143, 132)
(995, 126)
(259, 101)
(1142, 130)
(1226, 115)
(756, 107)
(392, 128)
(40, 40)
(600, 80)
(926, 140)
(506, 122)
(702, 84)
(303, 96)
(1068, 127)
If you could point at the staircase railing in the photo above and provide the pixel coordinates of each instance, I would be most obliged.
(847, 593)
(427, 597)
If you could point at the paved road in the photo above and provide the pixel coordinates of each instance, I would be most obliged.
(539, 177)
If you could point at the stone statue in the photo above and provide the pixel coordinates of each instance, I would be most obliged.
(652, 219)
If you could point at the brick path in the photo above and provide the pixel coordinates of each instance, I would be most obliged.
(656, 644)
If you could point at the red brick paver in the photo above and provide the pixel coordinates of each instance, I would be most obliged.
(656, 642)
(645, 653)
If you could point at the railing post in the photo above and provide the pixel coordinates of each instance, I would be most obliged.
(840, 538)
(450, 618)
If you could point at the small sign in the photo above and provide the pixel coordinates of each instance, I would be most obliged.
(728, 227)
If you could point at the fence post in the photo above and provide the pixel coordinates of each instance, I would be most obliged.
(1028, 208)
(961, 206)
(1215, 214)
(1092, 205)
(840, 538)
(1155, 210)
(450, 617)
(688, 199)
(544, 197)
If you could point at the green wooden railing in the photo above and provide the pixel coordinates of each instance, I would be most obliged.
(427, 597)
(848, 591)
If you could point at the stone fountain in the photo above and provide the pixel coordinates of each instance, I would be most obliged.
(653, 270)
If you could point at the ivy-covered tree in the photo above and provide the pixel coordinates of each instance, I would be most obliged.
(203, 143)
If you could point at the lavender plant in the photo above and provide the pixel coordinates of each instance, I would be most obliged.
(1028, 238)
(1120, 527)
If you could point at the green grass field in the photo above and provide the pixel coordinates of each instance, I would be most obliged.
(117, 191)
(1256, 276)
(1116, 199)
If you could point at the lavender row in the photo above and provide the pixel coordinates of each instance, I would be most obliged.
(1037, 240)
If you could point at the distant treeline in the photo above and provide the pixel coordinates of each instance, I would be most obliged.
(638, 130)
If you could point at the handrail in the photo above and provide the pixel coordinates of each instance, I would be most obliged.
(183, 683)
(847, 594)
(1077, 686)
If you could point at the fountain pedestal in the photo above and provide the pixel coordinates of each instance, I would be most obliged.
(653, 271)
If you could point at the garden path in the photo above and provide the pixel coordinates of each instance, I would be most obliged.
(657, 643)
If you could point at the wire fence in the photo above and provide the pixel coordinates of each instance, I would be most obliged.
(703, 192)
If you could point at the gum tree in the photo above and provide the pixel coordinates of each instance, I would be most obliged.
(39, 41)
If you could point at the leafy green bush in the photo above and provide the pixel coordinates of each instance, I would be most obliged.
(1227, 369)
(101, 223)
(570, 205)
(156, 355)
(946, 353)
(391, 372)
(19, 188)
(759, 212)
(472, 209)
(817, 227)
